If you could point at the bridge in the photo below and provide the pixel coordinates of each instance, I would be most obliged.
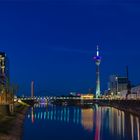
(67, 100)
(131, 104)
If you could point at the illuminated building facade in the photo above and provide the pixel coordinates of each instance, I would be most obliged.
(4, 79)
(87, 96)
(135, 93)
(97, 59)
(4, 70)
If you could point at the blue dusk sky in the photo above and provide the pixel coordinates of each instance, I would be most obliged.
(53, 42)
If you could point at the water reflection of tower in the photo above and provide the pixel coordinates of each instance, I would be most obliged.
(98, 119)
(97, 59)
(87, 119)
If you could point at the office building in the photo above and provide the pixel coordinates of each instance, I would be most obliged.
(117, 84)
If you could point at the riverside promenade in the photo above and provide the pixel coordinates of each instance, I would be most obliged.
(11, 125)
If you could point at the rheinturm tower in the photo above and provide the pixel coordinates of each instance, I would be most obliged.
(97, 59)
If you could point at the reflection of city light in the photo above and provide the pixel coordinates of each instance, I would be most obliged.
(68, 115)
(113, 121)
(132, 127)
(38, 115)
(61, 115)
(32, 114)
(55, 115)
(119, 123)
(77, 116)
(51, 115)
(87, 119)
(44, 115)
(28, 116)
(41, 115)
(116, 121)
(98, 124)
(138, 128)
(123, 123)
(111, 118)
(74, 116)
(48, 115)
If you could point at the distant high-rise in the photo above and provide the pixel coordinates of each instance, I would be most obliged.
(97, 59)
(4, 70)
(117, 84)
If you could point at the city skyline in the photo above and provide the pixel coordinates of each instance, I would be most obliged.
(56, 48)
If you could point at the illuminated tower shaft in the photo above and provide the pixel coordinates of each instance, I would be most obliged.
(97, 81)
(97, 59)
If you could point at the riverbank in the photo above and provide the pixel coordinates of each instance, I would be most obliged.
(128, 110)
(11, 126)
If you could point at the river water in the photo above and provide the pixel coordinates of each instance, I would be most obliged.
(73, 123)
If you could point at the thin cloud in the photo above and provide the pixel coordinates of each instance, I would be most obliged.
(71, 50)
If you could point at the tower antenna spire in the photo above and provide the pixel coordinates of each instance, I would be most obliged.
(97, 50)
